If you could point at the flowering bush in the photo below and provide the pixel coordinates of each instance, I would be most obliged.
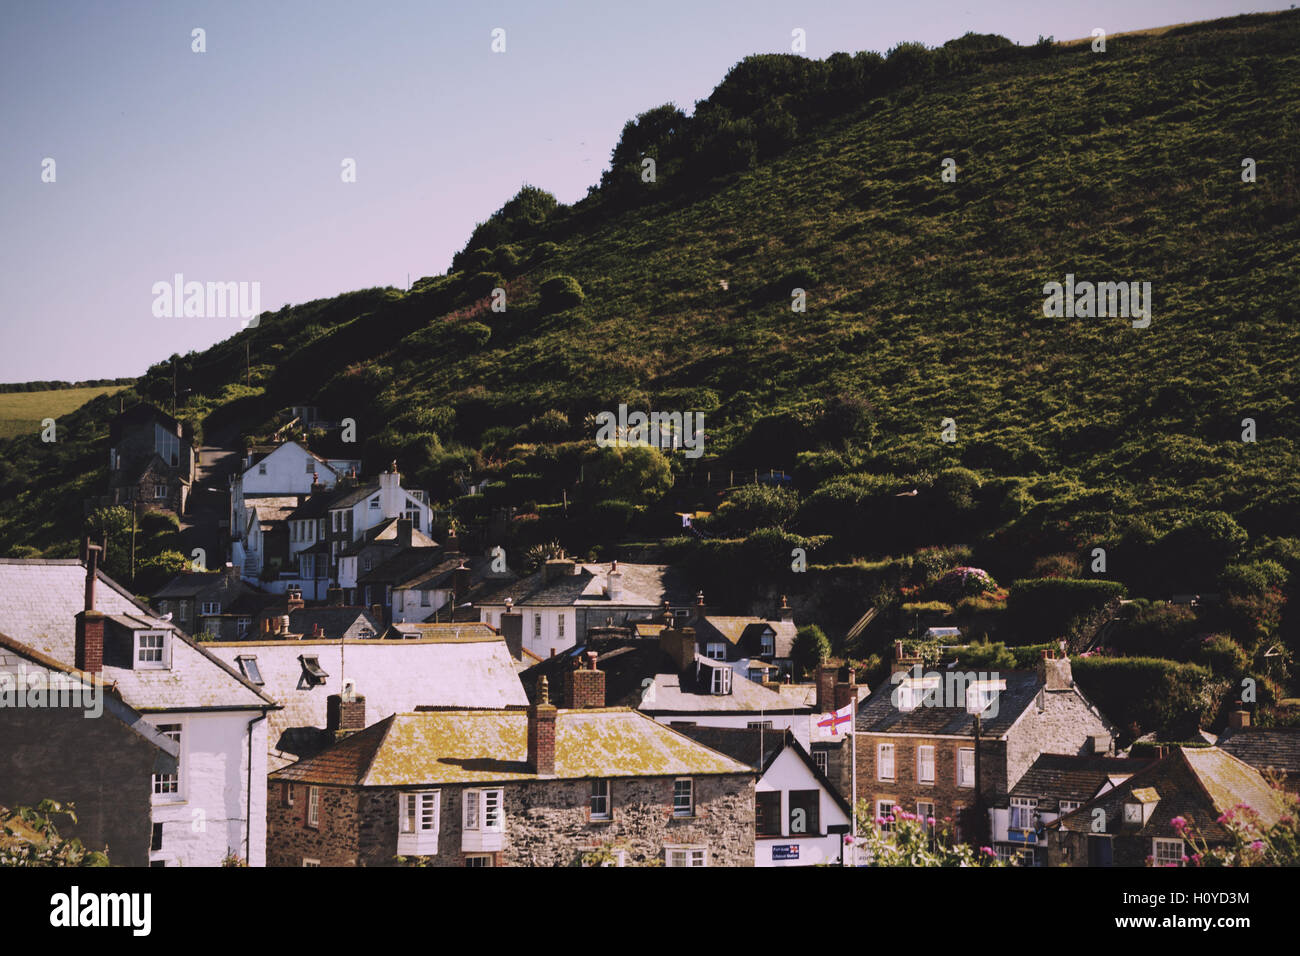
(905, 839)
(30, 838)
(1253, 842)
(965, 582)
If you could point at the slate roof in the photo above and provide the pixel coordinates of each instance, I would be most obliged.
(39, 601)
(743, 632)
(1266, 748)
(878, 714)
(1055, 777)
(400, 566)
(1196, 783)
(271, 509)
(351, 496)
(443, 631)
(472, 747)
(336, 622)
(644, 586)
(393, 676)
(386, 532)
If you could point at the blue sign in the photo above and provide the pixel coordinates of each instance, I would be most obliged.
(1022, 836)
(786, 851)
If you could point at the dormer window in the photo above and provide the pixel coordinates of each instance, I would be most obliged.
(312, 674)
(151, 651)
(914, 692)
(982, 694)
(721, 682)
(767, 643)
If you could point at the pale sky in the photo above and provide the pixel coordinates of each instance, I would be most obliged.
(225, 165)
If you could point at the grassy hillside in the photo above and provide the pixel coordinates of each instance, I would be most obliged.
(924, 303)
(21, 413)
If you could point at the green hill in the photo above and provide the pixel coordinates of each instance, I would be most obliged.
(924, 302)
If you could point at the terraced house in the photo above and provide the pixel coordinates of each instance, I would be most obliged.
(535, 787)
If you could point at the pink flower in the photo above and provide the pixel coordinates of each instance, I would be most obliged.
(1257, 846)
(987, 851)
(880, 821)
(929, 821)
(1196, 859)
(1179, 824)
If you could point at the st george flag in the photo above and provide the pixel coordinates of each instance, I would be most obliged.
(841, 718)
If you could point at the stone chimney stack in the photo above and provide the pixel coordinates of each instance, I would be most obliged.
(846, 686)
(460, 583)
(293, 600)
(1238, 718)
(391, 498)
(586, 683)
(615, 587)
(541, 732)
(679, 645)
(512, 629)
(1054, 671)
(697, 613)
(88, 651)
(825, 680)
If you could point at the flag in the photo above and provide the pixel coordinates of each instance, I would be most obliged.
(834, 721)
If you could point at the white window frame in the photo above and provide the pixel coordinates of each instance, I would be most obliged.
(1068, 806)
(159, 491)
(418, 822)
(167, 786)
(261, 468)
(310, 861)
(715, 651)
(559, 626)
(686, 855)
(884, 810)
(966, 763)
(684, 786)
(602, 806)
(819, 760)
(720, 682)
(1022, 814)
(767, 645)
(924, 758)
(537, 626)
(924, 815)
(885, 761)
(1161, 846)
(313, 807)
(211, 607)
(484, 810)
(157, 644)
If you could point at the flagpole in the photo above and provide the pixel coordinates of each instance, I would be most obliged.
(853, 803)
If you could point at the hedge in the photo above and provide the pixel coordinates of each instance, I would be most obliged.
(1142, 694)
(1044, 608)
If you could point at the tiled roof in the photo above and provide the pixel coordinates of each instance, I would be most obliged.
(393, 676)
(39, 601)
(878, 714)
(271, 508)
(1266, 748)
(443, 631)
(467, 746)
(350, 497)
(743, 632)
(684, 694)
(644, 586)
(1195, 783)
(1055, 777)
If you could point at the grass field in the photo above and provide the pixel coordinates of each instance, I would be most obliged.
(22, 412)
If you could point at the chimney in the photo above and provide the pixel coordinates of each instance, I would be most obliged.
(541, 732)
(784, 612)
(902, 662)
(403, 533)
(317, 486)
(1054, 672)
(89, 652)
(451, 542)
(557, 568)
(231, 574)
(293, 600)
(697, 614)
(377, 612)
(391, 499)
(679, 645)
(345, 713)
(460, 583)
(825, 679)
(586, 683)
(512, 629)
(1239, 718)
(846, 686)
(334, 597)
(615, 587)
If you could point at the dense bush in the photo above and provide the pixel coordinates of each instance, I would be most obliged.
(1144, 694)
(1047, 607)
(559, 293)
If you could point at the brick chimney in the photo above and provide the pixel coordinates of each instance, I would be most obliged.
(541, 732)
(88, 651)
(451, 542)
(1239, 718)
(345, 713)
(846, 686)
(679, 644)
(293, 600)
(1054, 671)
(825, 680)
(512, 629)
(585, 683)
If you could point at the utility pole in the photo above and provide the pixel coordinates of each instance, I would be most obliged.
(248, 372)
(134, 503)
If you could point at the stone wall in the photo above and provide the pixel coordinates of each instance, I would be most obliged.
(333, 841)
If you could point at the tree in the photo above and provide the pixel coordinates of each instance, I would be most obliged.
(811, 647)
(113, 526)
(637, 473)
(757, 506)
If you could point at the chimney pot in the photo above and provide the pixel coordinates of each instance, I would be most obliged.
(541, 732)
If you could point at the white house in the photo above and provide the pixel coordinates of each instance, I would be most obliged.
(213, 803)
(286, 470)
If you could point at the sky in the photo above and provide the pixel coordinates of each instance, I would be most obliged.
(227, 165)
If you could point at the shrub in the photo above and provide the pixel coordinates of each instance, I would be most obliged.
(1047, 607)
(559, 293)
(470, 335)
(481, 284)
(965, 582)
(810, 648)
(1143, 694)
(753, 507)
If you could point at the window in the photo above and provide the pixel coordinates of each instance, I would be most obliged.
(150, 649)
(211, 607)
(1024, 813)
(413, 515)
(885, 812)
(286, 794)
(885, 762)
(966, 767)
(374, 504)
(157, 862)
(537, 627)
(483, 810)
(367, 563)
(167, 444)
(686, 856)
(424, 598)
(600, 800)
(805, 815)
(768, 644)
(313, 806)
(759, 725)
(721, 681)
(155, 842)
(169, 783)
(716, 651)
(1167, 852)
(183, 610)
(311, 466)
(767, 813)
(160, 491)
(242, 625)
(559, 627)
(1069, 806)
(925, 810)
(261, 468)
(248, 664)
(925, 763)
(683, 797)
(312, 674)
(819, 759)
(310, 861)
(478, 859)
(417, 823)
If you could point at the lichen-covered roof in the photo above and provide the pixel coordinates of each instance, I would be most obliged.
(481, 746)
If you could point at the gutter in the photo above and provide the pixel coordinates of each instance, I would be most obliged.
(248, 803)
